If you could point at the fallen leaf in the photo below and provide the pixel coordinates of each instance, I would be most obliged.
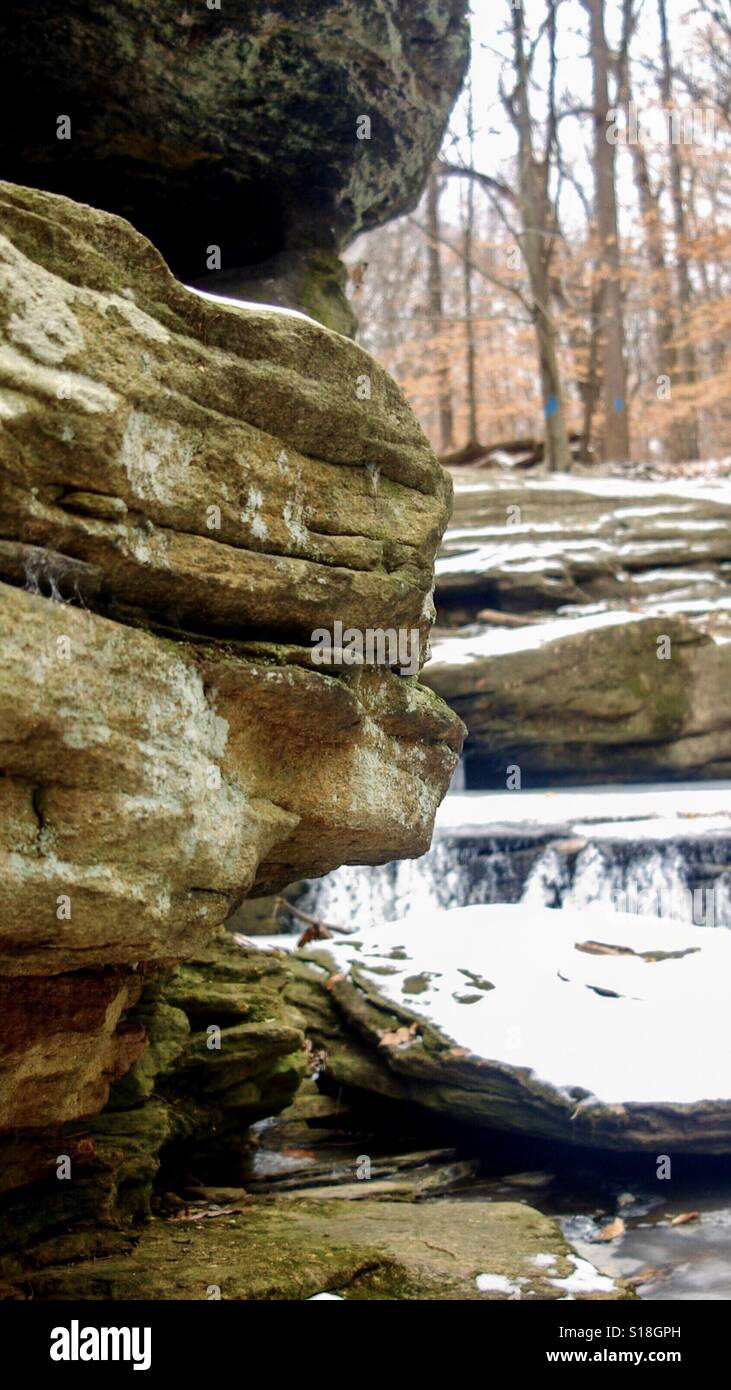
(333, 980)
(600, 948)
(400, 1037)
(684, 1217)
(613, 1231)
(645, 1276)
(315, 932)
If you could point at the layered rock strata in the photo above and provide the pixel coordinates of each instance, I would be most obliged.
(188, 490)
(616, 698)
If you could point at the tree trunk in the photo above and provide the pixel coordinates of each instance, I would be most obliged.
(652, 227)
(615, 443)
(471, 374)
(434, 281)
(537, 227)
(688, 433)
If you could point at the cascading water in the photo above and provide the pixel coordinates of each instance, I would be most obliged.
(657, 851)
(685, 877)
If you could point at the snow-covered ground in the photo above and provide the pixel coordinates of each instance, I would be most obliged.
(496, 641)
(654, 811)
(525, 986)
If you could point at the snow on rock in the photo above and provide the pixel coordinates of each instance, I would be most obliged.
(595, 1027)
(585, 1279)
(499, 1283)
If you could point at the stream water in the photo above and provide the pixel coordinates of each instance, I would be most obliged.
(657, 850)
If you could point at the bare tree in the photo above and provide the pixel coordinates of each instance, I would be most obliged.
(615, 441)
(688, 441)
(469, 228)
(529, 213)
(436, 310)
(539, 221)
(649, 199)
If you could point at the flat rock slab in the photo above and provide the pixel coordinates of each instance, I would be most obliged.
(606, 1030)
(285, 1249)
(538, 544)
(614, 696)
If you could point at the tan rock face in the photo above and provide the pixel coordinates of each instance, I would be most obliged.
(63, 1042)
(621, 701)
(186, 485)
(250, 471)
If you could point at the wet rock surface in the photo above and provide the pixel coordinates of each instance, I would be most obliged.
(286, 1249)
(312, 1221)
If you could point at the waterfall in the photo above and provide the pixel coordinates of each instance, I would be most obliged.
(687, 879)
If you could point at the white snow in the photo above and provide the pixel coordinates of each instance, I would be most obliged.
(499, 1283)
(658, 1031)
(710, 490)
(497, 641)
(251, 304)
(642, 811)
(585, 1279)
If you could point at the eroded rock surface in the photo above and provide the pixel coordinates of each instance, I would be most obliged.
(593, 618)
(237, 128)
(188, 491)
(614, 698)
(535, 546)
(284, 1249)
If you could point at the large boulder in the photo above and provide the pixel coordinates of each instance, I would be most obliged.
(609, 698)
(189, 489)
(604, 1030)
(237, 126)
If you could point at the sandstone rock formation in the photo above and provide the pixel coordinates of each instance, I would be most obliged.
(600, 1029)
(236, 127)
(606, 699)
(283, 1249)
(530, 546)
(188, 490)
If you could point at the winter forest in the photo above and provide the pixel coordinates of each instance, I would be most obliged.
(567, 271)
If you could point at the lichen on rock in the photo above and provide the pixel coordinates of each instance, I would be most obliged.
(187, 495)
(264, 131)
